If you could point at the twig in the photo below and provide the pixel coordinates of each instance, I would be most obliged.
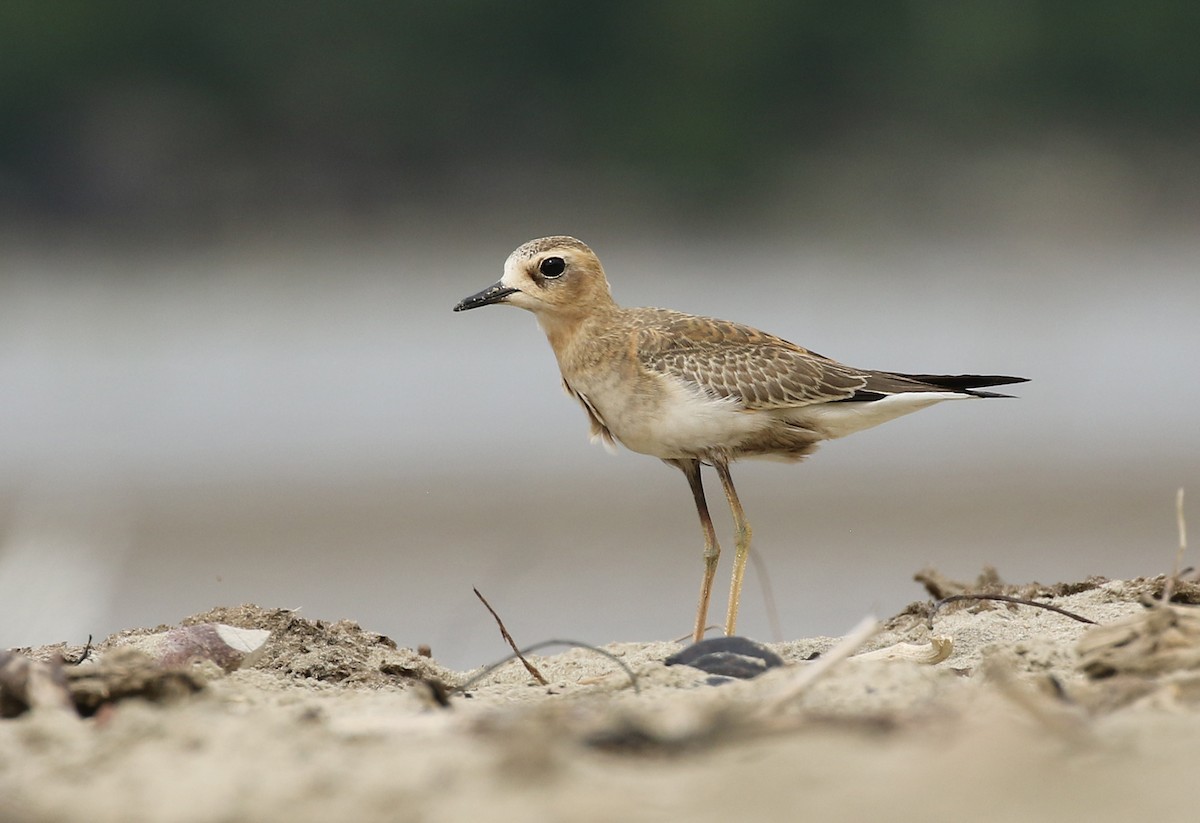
(575, 644)
(84, 655)
(529, 667)
(764, 582)
(1020, 601)
(1182, 526)
(683, 638)
(818, 668)
(1169, 585)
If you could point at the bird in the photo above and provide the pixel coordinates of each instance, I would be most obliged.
(693, 390)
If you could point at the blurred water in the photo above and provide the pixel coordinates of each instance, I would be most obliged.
(306, 424)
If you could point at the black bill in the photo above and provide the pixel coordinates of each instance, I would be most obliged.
(492, 294)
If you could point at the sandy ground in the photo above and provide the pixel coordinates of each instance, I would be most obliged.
(1032, 716)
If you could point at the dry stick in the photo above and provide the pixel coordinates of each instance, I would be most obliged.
(812, 672)
(764, 582)
(683, 638)
(529, 667)
(84, 655)
(1020, 601)
(1169, 585)
(574, 644)
(1182, 525)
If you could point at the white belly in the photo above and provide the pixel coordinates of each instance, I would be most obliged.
(670, 420)
(674, 421)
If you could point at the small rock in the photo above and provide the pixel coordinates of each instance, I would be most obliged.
(229, 647)
(727, 657)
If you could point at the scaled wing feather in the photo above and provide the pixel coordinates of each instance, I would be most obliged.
(729, 360)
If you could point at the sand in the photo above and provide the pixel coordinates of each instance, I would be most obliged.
(1031, 716)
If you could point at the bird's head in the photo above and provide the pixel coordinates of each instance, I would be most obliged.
(548, 276)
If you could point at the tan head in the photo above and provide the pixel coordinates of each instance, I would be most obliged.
(548, 276)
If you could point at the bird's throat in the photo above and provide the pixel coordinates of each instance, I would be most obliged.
(561, 328)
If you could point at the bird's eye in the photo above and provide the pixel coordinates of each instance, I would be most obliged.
(552, 267)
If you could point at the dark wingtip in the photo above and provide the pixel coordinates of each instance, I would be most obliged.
(959, 382)
(1003, 380)
(988, 394)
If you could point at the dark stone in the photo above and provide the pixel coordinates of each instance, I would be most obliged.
(727, 657)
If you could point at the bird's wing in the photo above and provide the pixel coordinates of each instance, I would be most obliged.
(729, 360)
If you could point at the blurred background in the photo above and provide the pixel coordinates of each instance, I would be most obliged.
(232, 233)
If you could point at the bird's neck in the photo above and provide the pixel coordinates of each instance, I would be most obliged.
(564, 328)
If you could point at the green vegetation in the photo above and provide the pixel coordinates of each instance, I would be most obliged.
(103, 100)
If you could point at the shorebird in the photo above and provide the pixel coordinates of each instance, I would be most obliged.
(696, 390)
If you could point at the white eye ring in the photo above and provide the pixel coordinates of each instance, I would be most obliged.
(552, 267)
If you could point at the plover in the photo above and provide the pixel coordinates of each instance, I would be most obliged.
(696, 390)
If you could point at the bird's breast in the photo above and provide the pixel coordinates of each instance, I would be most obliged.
(666, 418)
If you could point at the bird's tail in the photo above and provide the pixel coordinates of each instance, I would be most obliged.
(966, 383)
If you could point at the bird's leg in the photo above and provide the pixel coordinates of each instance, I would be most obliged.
(712, 550)
(741, 531)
